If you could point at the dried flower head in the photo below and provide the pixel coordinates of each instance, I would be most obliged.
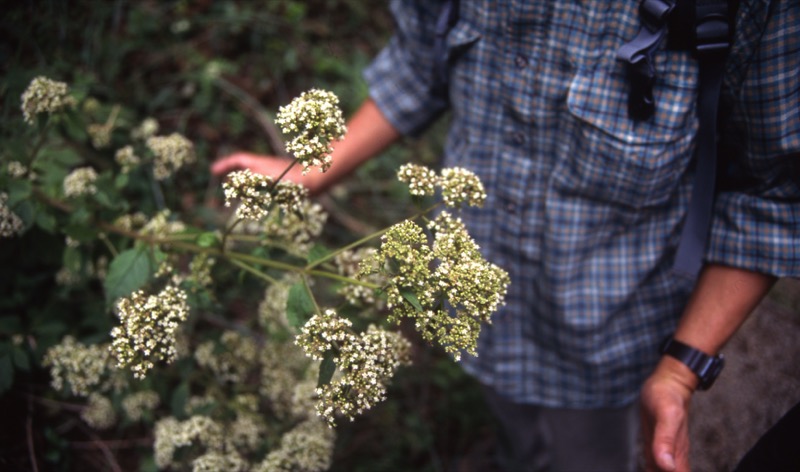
(147, 332)
(421, 180)
(78, 367)
(10, 223)
(80, 182)
(171, 154)
(100, 134)
(253, 192)
(461, 186)
(44, 95)
(313, 120)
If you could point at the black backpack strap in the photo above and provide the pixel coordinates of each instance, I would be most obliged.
(712, 42)
(448, 16)
(638, 55)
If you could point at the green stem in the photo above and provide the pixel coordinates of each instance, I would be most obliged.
(365, 239)
(228, 231)
(283, 174)
(108, 244)
(253, 271)
(311, 295)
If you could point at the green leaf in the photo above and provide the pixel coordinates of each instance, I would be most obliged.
(46, 221)
(10, 325)
(299, 306)
(180, 396)
(318, 252)
(6, 374)
(326, 369)
(411, 298)
(18, 191)
(207, 239)
(21, 359)
(129, 271)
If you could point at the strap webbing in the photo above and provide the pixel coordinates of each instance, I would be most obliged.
(712, 29)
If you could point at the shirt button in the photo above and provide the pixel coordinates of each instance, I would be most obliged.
(521, 61)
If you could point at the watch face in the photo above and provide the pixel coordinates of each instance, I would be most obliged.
(708, 377)
(707, 368)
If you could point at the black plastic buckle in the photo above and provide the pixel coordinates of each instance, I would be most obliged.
(712, 28)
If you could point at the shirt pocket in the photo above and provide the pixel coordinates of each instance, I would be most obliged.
(615, 160)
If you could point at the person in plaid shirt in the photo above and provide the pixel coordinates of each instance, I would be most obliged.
(585, 207)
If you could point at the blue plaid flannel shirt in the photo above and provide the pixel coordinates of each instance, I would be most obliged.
(585, 206)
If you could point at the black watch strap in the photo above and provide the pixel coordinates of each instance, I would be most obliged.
(706, 367)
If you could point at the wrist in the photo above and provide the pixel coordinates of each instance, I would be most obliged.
(687, 362)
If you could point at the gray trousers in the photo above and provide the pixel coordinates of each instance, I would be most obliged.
(535, 438)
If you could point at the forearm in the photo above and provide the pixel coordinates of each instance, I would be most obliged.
(368, 133)
(722, 300)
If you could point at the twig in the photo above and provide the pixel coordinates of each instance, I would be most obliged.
(257, 111)
(29, 435)
(113, 444)
(112, 462)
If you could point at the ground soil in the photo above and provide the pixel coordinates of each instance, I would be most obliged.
(760, 382)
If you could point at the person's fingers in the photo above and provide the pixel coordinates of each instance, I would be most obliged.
(225, 165)
(670, 439)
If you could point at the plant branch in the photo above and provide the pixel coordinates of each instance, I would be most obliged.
(253, 271)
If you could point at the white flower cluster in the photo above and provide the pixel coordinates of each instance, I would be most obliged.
(171, 434)
(80, 182)
(76, 366)
(458, 185)
(366, 362)
(216, 461)
(99, 412)
(348, 264)
(272, 309)
(146, 129)
(171, 154)
(10, 223)
(283, 372)
(16, 169)
(448, 288)
(44, 95)
(297, 230)
(308, 448)
(200, 270)
(231, 359)
(127, 159)
(314, 120)
(137, 404)
(160, 224)
(421, 180)
(147, 332)
(252, 191)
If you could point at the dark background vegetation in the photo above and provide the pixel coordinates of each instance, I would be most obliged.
(216, 71)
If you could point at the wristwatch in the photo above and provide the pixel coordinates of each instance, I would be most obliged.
(706, 367)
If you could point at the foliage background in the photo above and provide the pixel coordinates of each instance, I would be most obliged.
(215, 71)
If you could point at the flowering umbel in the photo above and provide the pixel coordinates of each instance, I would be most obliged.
(44, 95)
(313, 120)
(366, 363)
(148, 329)
(80, 182)
(171, 153)
(252, 191)
(10, 223)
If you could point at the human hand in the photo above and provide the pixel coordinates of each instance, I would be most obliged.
(272, 166)
(665, 401)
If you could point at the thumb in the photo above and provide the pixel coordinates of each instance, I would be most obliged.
(665, 441)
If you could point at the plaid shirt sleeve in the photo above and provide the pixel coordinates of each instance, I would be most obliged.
(401, 76)
(757, 218)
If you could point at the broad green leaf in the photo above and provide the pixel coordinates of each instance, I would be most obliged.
(180, 396)
(6, 373)
(317, 253)
(207, 239)
(46, 221)
(18, 191)
(10, 325)
(299, 306)
(21, 358)
(129, 271)
(411, 298)
(326, 369)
